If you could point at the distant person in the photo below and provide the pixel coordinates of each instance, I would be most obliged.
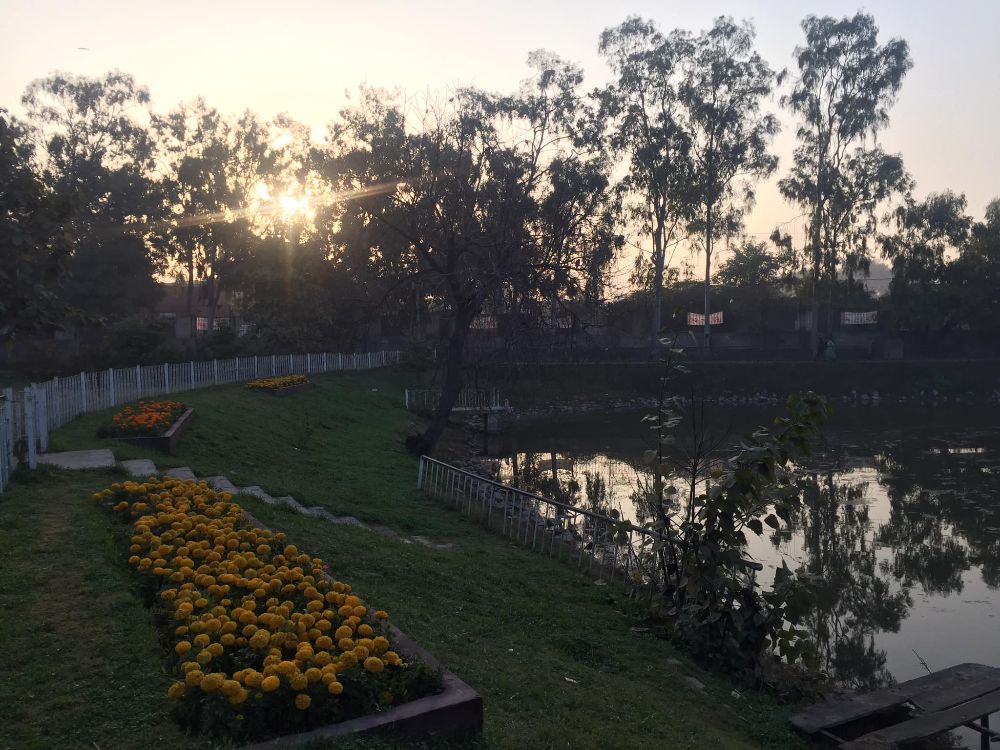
(830, 350)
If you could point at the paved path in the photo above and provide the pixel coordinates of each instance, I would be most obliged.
(141, 468)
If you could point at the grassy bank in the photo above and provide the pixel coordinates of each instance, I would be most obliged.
(558, 660)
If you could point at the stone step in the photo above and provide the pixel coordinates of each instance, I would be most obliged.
(181, 472)
(139, 467)
(99, 458)
(221, 484)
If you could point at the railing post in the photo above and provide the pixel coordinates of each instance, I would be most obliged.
(255, 366)
(308, 365)
(325, 368)
(291, 363)
(29, 427)
(192, 375)
(166, 378)
(138, 381)
(420, 472)
(274, 360)
(111, 386)
(215, 372)
(83, 393)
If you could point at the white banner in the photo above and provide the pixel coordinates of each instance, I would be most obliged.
(697, 319)
(859, 318)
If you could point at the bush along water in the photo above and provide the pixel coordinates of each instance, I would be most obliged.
(703, 502)
(262, 641)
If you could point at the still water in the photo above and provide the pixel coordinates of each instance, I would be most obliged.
(901, 521)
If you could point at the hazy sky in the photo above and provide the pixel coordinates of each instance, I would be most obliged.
(303, 57)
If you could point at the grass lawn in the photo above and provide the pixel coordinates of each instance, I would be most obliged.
(558, 660)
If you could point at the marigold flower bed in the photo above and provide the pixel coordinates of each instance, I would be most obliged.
(263, 641)
(146, 419)
(276, 384)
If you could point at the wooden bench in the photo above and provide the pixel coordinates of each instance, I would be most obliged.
(912, 710)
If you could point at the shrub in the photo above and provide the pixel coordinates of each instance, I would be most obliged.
(274, 384)
(148, 418)
(262, 640)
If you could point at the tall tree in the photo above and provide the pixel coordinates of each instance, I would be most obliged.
(926, 233)
(35, 243)
(96, 151)
(842, 91)
(482, 190)
(722, 94)
(642, 107)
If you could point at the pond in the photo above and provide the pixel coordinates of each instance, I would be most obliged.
(901, 522)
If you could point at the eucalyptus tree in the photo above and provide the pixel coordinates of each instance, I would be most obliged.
(477, 192)
(217, 180)
(35, 242)
(94, 149)
(642, 106)
(722, 94)
(842, 91)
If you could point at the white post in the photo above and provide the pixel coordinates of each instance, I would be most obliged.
(139, 392)
(406, 399)
(215, 372)
(83, 392)
(255, 366)
(420, 470)
(291, 363)
(42, 411)
(29, 427)
(111, 386)
(274, 368)
(308, 365)
(166, 378)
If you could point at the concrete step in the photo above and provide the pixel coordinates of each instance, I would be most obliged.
(181, 472)
(139, 467)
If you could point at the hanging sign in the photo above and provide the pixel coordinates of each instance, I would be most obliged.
(859, 318)
(697, 319)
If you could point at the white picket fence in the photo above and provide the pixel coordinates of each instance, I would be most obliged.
(27, 415)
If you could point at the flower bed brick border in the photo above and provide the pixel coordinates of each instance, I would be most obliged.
(167, 442)
(457, 711)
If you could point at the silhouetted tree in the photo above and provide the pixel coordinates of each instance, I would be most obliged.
(845, 83)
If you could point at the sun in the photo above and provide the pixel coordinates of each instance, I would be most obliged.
(295, 206)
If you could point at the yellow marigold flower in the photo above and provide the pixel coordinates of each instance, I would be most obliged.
(230, 687)
(216, 649)
(302, 701)
(374, 664)
(193, 678)
(182, 647)
(176, 690)
(335, 688)
(322, 658)
(212, 682)
(260, 639)
(359, 611)
(381, 615)
(270, 684)
(298, 681)
(368, 643)
(348, 659)
(381, 644)
(343, 632)
(239, 697)
(365, 630)
(345, 644)
(228, 639)
(202, 640)
(361, 652)
(313, 674)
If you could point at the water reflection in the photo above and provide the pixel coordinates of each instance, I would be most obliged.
(900, 527)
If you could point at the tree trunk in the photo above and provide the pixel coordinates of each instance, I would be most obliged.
(708, 279)
(192, 328)
(659, 259)
(817, 236)
(452, 386)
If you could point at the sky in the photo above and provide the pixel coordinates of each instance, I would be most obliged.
(306, 57)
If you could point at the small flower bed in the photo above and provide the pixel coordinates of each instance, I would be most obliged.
(262, 640)
(146, 419)
(274, 384)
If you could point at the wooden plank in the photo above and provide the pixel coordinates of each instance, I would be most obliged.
(847, 708)
(929, 724)
(958, 689)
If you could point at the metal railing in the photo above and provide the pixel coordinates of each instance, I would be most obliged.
(27, 415)
(604, 546)
(469, 399)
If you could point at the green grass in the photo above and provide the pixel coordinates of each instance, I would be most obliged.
(559, 660)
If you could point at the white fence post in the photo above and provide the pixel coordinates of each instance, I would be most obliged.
(291, 364)
(215, 372)
(308, 365)
(42, 418)
(83, 393)
(255, 366)
(274, 369)
(29, 427)
(111, 386)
